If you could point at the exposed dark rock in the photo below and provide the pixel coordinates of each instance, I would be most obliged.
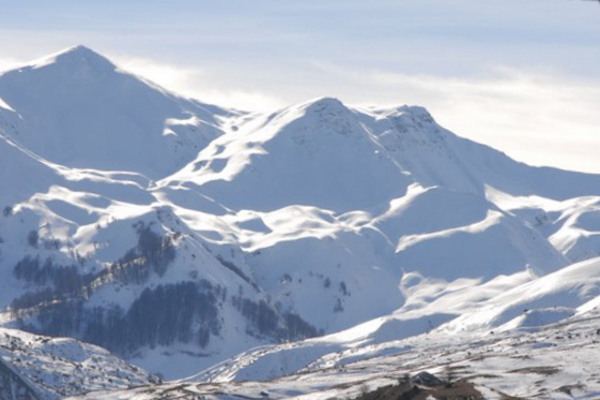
(424, 378)
(406, 390)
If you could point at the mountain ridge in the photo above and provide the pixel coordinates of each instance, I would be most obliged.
(255, 228)
(79, 97)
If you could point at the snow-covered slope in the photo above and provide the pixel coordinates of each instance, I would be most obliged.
(76, 108)
(178, 234)
(44, 368)
(547, 349)
(460, 311)
(556, 361)
(314, 154)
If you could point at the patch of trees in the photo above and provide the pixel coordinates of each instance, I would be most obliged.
(7, 211)
(185, 312)
(65, 279)
(264, 321)
(32, 238)
(297, 328)
(60, 318)
(236, 270)
(30, 300)
(153, 253)
(56, 307)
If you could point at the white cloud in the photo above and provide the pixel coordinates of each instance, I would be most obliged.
(243, 100)
(178, 79)
(7, 63)
(198, 84)
(541, 120)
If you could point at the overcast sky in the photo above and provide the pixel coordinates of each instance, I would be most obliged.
(520, 75)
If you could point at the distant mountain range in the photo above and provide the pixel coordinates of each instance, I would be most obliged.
(178, 234)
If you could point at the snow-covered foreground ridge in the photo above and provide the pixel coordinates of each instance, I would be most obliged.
(42, 368)
(556, 361)
(177, 233)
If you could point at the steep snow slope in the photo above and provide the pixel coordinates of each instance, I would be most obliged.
(314, 154)
(178, 234)
(324, 154)
(22, 173)
(78, 109)
(436, 156)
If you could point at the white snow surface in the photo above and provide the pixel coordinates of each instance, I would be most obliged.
(556, 361)
(374, 225)
(59, 367)
(78, 109)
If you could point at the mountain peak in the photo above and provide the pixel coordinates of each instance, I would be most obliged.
(77, 58)
(325, 104)
(325, 101)
(79, 51)
(416, 112)
(78, 109)
(325, 113)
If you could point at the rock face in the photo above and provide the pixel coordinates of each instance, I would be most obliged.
(426, 379)
(167, 229)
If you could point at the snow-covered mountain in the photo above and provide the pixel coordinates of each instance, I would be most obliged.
(177, 233)
(78, 109)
